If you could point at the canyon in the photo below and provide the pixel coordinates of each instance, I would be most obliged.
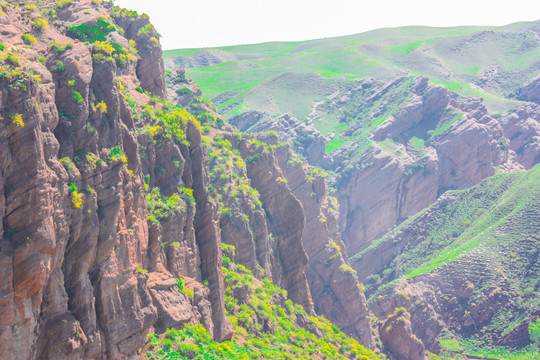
(141, 221)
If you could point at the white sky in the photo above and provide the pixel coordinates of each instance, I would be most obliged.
(210, 23)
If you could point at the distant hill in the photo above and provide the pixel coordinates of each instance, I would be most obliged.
(491, 62)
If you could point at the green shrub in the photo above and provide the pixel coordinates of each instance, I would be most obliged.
(101, 108)
(41, 60)
(161, 207)
(51, 13)
(91, 34)
(347, 269)
(188, 350)
(68, 164)
(227, 262)
(140, 270)
(101, 58)
(63, 3)
(60, 46)
(183, 91)
(29, 39)
(148, 29)
(13, 59)
(272, 134)
(76, 197)
(40, 24)
(187, 196)
(2, 47)
(118, 12)
(77, 97)
(181, 286)
(111, 50)
(17, 120)
(534, 331)
(59, 67)
(116, 154)
(103, 47)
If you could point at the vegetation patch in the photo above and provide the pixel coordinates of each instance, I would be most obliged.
(91, 34)
(29, 39)
(266, 325)
(40, 24)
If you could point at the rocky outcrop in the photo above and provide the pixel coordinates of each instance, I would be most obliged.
(181, 90)
(207, 234)
(244, 121)
(286, 223)
(150, 69)
(530, 91)
(394, 178)
(522, 131)
(333, 284)
(302, 136)
(396, 334)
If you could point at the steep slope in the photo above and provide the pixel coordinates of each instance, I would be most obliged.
(277, 212)
(112, 213)
(466, 267)
(267, 325)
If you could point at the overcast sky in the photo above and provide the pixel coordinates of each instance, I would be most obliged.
(210, 23)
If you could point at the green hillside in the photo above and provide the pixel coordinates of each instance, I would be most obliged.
(487, 237)
(497, 219)
(491, 62)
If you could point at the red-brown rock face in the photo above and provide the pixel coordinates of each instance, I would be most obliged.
(397, 336)
(286, 222)
(84, 273)
(393, 182)
(333, 284)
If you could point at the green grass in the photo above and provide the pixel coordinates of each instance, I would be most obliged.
(381, 54)
(405, 49)
(477, 348)
(265, 304)
(334, 144)
(493, 220)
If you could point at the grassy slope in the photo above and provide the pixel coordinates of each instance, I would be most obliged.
(499, 218)
(493, 226)
(453, 56)
(266, 328)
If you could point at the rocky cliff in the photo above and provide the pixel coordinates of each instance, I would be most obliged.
(76, 243)
(433, 142)
(115, 201)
